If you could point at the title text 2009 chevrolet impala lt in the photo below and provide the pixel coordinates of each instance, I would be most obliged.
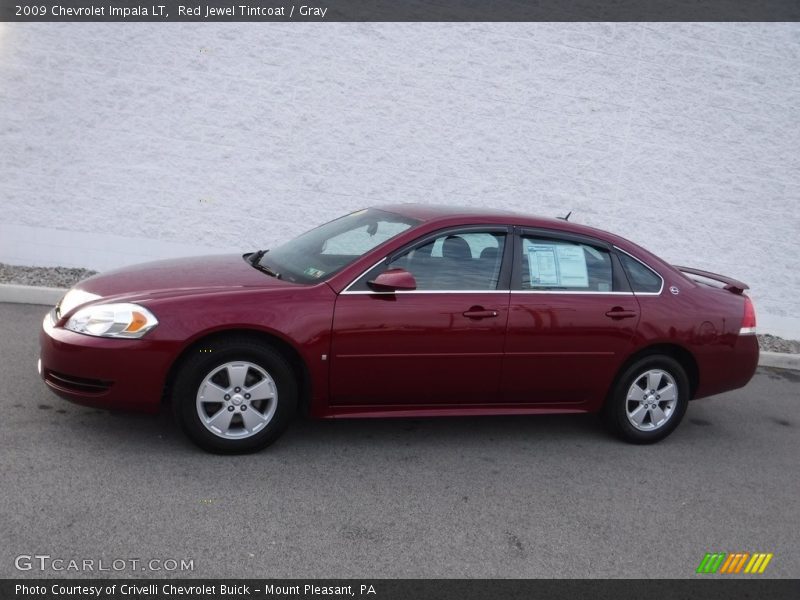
(405, 310)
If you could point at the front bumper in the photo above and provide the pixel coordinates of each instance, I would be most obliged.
(103, 372)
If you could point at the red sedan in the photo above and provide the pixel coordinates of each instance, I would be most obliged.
(405, 311)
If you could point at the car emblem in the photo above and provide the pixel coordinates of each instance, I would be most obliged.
(674, 290)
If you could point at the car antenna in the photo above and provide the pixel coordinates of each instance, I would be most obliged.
(566, 218)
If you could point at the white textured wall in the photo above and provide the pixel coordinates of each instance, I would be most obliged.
(182, 138)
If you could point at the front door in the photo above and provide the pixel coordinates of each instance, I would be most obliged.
(441, 344)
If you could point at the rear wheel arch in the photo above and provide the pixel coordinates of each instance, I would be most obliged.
(287, 350)
(685, 358)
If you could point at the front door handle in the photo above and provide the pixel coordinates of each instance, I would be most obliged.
(479, 313)
(620, 313)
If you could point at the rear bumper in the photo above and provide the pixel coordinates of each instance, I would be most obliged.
(728, 368)
(101, 372)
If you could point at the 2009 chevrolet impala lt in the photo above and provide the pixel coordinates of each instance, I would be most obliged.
(405, 310)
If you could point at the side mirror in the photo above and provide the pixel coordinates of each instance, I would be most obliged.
(393, 280)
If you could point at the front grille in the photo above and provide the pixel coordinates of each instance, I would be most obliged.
(76, 384)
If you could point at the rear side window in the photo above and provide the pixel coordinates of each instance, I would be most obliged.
(551, 264)
(642, 278)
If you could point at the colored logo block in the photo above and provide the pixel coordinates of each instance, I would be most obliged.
(734, 563)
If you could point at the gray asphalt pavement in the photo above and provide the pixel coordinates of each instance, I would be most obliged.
(463, 497)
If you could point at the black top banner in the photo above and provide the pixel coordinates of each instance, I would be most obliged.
(401, 10)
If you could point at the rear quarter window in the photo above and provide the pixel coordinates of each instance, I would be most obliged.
(642, 278)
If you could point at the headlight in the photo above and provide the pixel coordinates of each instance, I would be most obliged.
(122, 320)
(74, 298)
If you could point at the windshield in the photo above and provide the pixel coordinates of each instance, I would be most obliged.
(321, 252)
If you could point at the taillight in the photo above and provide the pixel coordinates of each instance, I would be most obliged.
(749, 319)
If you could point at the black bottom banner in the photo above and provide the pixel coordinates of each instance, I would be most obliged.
(400, 589)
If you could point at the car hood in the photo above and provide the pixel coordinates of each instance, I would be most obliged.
(180, 276)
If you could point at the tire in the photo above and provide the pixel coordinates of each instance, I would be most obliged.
(639, 417)
(234, 395)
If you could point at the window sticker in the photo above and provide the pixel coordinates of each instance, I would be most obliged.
(312, 272)
(557, 265)
(542, 264)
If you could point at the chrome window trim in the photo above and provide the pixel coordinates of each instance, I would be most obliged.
(641, 262)
(562, 292)
(370, 293)
(578, 292)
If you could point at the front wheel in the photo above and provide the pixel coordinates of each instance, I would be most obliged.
(648, 401)
(234, 396)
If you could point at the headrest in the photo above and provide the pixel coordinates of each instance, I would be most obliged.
(489, 254)
(456, 247)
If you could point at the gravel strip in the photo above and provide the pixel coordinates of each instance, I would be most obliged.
(61, 277)
(773, 343)
(64, 277)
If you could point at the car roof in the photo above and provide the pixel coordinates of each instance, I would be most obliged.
(435, 213)
(447, 216)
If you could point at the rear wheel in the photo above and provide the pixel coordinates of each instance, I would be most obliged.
(234, 396)
(648, 401)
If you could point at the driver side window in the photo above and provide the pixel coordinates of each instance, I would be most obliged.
(464, 261)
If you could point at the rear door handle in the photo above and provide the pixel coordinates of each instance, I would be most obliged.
(621, 313)
(474, 313)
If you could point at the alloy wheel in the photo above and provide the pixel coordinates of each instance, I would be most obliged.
(236, 400)
(651, 400)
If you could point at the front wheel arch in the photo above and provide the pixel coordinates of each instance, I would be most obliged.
(288, 351)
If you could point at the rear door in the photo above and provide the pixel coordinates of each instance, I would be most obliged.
(439, 345)
(572, 319)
